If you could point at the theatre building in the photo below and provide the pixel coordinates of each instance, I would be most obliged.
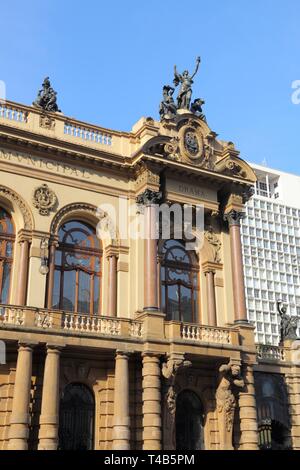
(116, 341)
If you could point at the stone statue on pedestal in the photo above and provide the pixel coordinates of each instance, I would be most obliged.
(288, 324)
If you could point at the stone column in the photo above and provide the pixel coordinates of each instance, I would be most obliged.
(121, 422)
(48, 434)
(234, 217)
(293, 387)
(112, 291)
(150, 199)
(23, 273)
(51, 274)
(248, 413)
(211, 297)
(151, 402)
(19, 420)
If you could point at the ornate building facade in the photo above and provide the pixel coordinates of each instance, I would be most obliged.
(117, 342)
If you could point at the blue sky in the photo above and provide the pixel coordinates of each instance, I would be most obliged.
(109, 60)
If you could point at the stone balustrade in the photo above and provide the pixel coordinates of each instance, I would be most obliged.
(201, 333)
(13, 113)
(99, 325)
(69, 322)
(59, 126)
(270, 352)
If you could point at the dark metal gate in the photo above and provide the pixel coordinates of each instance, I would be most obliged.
(76, 418)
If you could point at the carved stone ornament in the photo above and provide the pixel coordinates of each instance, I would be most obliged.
(234, 217)
(288, 324)
(191, 142)
(215, 243)
(169, 371)
(229, 379)
(46, 98)
(233, 168)
(149, 197)
(172, 149)
(47, 122)
(44, 199)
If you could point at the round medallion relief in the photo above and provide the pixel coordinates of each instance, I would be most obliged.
(193, 144)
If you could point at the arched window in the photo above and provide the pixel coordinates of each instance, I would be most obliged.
(77, 277)
(76, 418)
(7, 239)
(179, 282)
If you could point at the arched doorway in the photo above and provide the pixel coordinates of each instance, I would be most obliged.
(189, 422)
(76, 418)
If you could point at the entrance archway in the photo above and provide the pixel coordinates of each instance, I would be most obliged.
(76, 418)
(189, 422)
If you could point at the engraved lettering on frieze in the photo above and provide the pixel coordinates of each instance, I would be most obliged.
(44, 199)
(43, 164)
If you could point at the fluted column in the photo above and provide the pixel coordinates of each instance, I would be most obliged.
(19, 420)
(211, 297)
(23, 273)
(121, 422)
(48, 434)
(112, 290)
(150, 199)
(51, 274)
(234, 217)
(248, 413)
(151, 402)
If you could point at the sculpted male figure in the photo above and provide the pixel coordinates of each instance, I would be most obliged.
(230, 377)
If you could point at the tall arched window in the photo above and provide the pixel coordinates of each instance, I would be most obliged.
(7, 239)
(179, 282)
(77, 278)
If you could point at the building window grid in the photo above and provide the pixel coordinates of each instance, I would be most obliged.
(286, 260)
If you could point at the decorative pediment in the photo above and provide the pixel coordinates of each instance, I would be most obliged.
(231, 165)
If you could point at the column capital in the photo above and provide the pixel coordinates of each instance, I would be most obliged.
(27, 345)
(154, 354)
(149, 197)
(234, 217)
(54, 348)
(112, 250)
(24, 235)
(210, 267)
(123, 354)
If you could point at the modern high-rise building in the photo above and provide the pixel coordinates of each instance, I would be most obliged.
(271, 251)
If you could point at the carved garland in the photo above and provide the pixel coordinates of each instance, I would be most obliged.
(15, 198)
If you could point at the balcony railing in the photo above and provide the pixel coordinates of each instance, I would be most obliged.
(58, 321)
(270, 353)
(69, 321)
(13, 113)
(207, 334)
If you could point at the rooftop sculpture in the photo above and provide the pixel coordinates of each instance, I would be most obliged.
(288, 324)
(46, 98)
(168, 109)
